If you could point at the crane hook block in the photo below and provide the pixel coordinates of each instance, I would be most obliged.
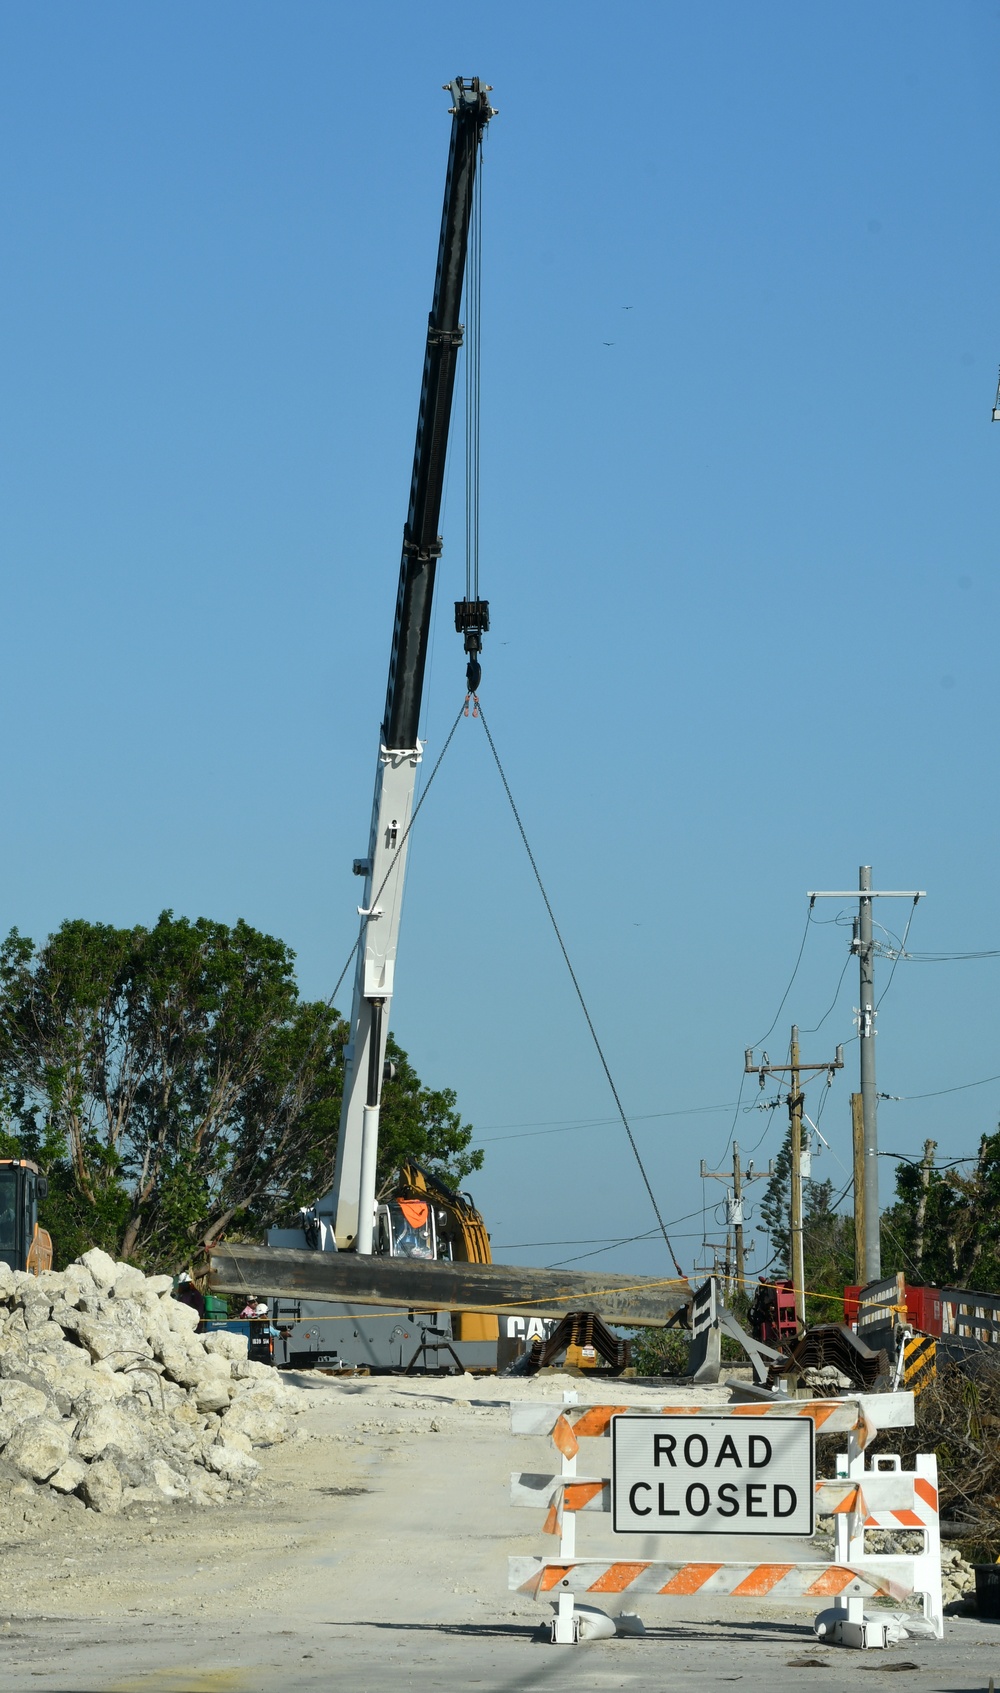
(472, 619)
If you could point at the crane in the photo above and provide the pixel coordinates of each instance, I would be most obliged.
(345, 1217)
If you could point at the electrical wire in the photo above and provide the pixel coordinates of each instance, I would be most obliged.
(600, 1123)
(736, 1116)
(763, 1038)
(627, 1240)
(946, 957)
(791, 979)
(938, 1164)
(579, 993)
(939, 1092)
(840, 983)
(900, 954)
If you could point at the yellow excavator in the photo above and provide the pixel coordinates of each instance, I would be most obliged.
(24, 1245)
(419, 1217)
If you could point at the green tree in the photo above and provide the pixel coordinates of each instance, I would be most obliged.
(422, 1123)
(947, 1233)
(174, 1087)
(827, 1235)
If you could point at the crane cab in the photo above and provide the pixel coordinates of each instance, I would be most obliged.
(23, 1244)
(411, 1228)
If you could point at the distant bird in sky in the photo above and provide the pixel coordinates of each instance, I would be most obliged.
(609, 343)
(626, 308)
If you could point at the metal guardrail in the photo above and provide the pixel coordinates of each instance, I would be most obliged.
(967, 1314)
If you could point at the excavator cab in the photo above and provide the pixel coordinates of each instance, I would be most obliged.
(409, 1228)
(23, 1245)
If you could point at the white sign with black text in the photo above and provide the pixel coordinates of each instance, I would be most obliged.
(712, 1475)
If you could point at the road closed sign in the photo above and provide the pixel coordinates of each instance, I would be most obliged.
(712, 1475)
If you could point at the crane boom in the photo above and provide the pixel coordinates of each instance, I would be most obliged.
(348, 1210)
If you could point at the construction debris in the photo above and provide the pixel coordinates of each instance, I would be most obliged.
(110, 1399)
(831, 1359)
(958, 1578)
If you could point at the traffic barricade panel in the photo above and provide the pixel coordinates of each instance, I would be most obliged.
(879, 1496)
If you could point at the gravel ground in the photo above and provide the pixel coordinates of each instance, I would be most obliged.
(372, 1552)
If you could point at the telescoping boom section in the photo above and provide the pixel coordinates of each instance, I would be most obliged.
(346, 1215)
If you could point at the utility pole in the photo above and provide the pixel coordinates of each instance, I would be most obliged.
(734, 1202)
(795, 1103)
(864, 946)
(795, 1143)
(926, 1166)
(858, 1143)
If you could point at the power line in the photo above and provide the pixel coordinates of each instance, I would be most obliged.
(562, 1128)
(798, 961)
(938, 1092)
(944, 957)
(939, 1163)
(763, 1038)
(840, 983)
(900, 954)
(627, 1240)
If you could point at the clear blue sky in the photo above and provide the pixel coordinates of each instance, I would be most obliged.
(741, 561)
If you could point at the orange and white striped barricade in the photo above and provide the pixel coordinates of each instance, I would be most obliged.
(883, 1496)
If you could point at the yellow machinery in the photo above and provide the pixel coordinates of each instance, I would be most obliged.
(23, 1244)
(418, 1216)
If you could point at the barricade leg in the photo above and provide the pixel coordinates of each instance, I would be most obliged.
(565, 1623)
(928, 1573)
(849, 1548)
(565, 1627)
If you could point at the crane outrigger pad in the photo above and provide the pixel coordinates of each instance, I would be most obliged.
(507, 1289)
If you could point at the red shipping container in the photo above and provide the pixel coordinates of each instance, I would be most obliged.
(923, 1307)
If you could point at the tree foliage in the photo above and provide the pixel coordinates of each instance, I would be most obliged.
(174, 1087)
(944, 1227)
(827, 1236)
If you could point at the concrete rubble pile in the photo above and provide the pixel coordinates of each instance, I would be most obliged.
(958, 1578)
(109, 1397)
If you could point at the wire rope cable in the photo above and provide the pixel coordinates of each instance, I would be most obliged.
(579, 994)
(288, 1091)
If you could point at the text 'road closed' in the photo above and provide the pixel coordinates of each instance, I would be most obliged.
(712, 1475)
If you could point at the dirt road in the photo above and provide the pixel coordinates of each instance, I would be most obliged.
(373, 1556)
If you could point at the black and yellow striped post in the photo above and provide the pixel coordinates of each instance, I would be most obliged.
(919, 1362)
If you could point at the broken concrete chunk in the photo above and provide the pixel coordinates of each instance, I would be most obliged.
(128, 1281)
(102, 1488)
(261, 1425)
(68, 1476)
(101, 1266)
(105, 1425)
(183, 1319)
(226, 1345)
(212, 1394)
(230, 1462)
(38, 1448)
(18, 1402)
